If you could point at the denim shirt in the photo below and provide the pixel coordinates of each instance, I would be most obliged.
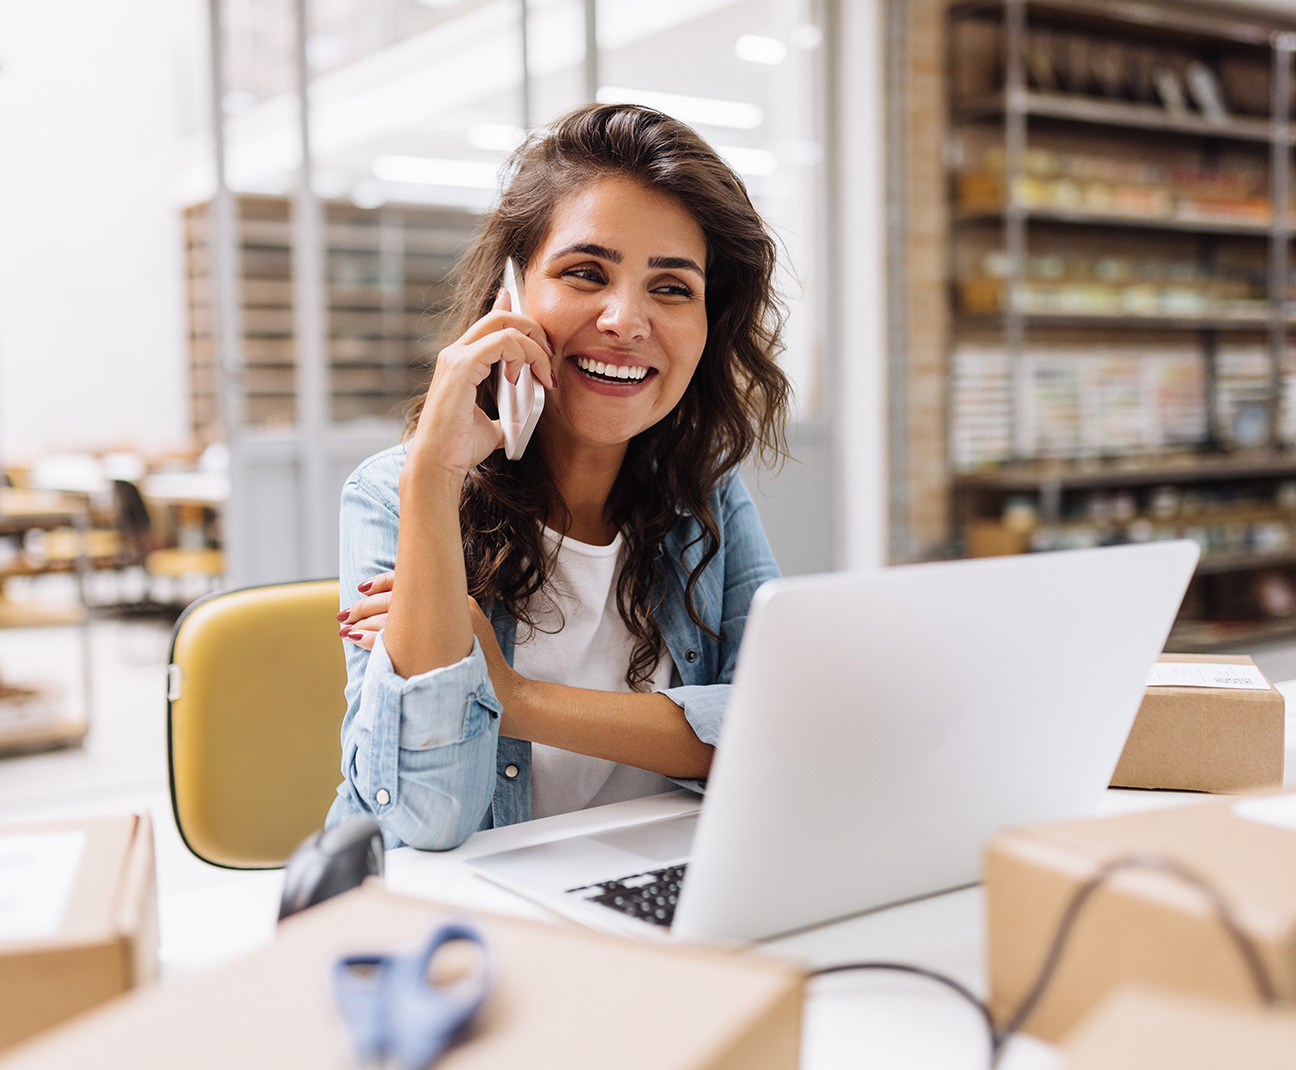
(424, 755)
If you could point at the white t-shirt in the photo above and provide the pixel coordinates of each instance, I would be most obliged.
(581, 641)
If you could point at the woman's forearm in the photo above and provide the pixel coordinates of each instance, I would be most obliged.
(647, 731)
(428, 624)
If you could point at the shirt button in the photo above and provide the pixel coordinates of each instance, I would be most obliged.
(383, 797)
(510, 771)
(691, 656)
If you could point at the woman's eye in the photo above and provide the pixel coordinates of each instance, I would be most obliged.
(586, 274)
(674, 289)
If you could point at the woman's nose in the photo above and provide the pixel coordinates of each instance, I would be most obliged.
(624, 315)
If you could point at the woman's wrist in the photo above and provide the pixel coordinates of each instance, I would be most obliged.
(424, 476)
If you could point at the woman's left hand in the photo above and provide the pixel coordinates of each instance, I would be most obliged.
(364, 618)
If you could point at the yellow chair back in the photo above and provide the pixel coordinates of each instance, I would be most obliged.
(254, 712)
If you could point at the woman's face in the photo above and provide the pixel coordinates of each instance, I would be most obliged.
(618, 284)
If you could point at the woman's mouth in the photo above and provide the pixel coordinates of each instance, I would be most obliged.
(607, 372)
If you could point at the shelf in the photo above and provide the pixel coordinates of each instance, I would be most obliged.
(1217, 564)
(1098, 112)
(16, 739)
(1188, 468)
(1200, 637)
(33, 615)
(1150, 18)
(1065, 320)
(389, 287)
(1191, 225)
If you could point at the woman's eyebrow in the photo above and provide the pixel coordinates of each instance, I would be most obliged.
(589, 249)
(667, 263)
(675, 263)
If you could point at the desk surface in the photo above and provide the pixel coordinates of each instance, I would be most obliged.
(852, 1020)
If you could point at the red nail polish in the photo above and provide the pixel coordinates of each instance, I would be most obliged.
(364, 587)
(344, 614)
(356, 635)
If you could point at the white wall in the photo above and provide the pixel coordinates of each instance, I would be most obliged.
(92, 326)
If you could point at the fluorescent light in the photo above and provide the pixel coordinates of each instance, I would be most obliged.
(703, 110)
(495, 137)
(429, 171)
(755, 162)
(756, 49)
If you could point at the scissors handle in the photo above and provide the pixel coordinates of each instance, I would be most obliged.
(394, 1010)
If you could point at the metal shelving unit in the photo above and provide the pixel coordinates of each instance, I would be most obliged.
(1015, 109)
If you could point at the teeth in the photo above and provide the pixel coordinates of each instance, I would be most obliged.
(611, 371)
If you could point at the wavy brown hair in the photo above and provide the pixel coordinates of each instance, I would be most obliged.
(735, 404)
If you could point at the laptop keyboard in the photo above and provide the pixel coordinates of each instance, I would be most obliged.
(651, 896)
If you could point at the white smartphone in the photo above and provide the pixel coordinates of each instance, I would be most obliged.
(520, 404)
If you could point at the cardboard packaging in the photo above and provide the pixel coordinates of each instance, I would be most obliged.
(1205, 738)
(1144, 1029)
(98, 942)
(1142, 925)
(564, 999)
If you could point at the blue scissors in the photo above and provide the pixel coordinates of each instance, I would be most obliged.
(399, 1019)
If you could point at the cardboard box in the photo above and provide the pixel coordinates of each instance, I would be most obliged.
(87, 931)
(1144, 1029)
(565, 999)
(1205, 738)
(1142, 925)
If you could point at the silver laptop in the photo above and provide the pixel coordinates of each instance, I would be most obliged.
(883, 725)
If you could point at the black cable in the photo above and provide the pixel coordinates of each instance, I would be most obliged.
(999, 1038)
(1250, 956)
(920, 971)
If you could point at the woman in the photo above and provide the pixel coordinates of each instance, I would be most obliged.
(560, 631)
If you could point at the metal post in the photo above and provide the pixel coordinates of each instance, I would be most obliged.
(227, 327)
(528, 112)
(1280, 195)
(1014, 213)
(897, 15)
(309, 329)
(591, 50)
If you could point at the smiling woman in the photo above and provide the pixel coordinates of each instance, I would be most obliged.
(560, 631)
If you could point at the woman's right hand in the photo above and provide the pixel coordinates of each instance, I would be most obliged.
(453, 431)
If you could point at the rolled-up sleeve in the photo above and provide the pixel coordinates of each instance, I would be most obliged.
(746, 561)
(418, 753)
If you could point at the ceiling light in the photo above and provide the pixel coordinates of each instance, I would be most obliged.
(703, 110)
(428, 171)
(754, 162)
(756, 49)
(495, 137)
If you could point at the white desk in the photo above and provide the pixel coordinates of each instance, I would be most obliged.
(852, 1021)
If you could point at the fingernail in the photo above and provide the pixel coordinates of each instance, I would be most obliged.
(356, 635)
(364, 587)
(344, 614)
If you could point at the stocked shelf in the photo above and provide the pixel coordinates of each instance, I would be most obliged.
(1187, 224)
(1203, 636)
(1125, 115)
(1120, 204)
(1133, 471)
(387, 291)
(1241, 321)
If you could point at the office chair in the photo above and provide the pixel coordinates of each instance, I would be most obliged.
(254, 715)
